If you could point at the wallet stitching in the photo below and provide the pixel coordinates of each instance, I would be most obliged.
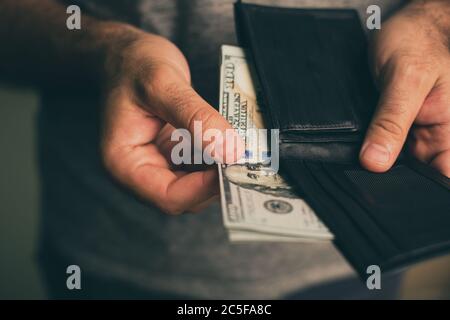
(296, 10)
(321, 126)
(315, 139)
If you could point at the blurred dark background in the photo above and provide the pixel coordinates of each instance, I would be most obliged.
(19, 195)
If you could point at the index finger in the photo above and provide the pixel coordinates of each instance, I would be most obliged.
(173, 192)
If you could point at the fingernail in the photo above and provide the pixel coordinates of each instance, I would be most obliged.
(374, 152)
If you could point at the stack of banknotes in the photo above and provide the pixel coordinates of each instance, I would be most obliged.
(257, 203)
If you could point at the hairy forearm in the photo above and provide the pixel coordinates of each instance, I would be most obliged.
(433, 16)
(37, 47)
(437, 11)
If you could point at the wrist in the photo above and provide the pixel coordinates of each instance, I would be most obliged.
(428, 22)
(114, 40)
(134, 54)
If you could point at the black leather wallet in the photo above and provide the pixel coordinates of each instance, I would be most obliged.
(318, 91)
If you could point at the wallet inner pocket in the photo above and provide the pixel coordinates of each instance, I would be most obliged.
(408, 207)
(381, 240)
(400, 201)
(332, 213)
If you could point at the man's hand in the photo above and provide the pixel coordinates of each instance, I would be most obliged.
(146, 85)
(412, 66)
(148, 95)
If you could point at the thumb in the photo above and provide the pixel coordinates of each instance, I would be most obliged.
(182, 107)
(404, 90)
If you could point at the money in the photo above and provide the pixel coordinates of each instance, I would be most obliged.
(257, 203)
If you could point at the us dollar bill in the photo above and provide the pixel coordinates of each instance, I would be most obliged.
(257, 203)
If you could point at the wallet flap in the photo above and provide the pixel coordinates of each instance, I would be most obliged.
(311, 65)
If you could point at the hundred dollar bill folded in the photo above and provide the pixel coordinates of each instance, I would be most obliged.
(257, 203)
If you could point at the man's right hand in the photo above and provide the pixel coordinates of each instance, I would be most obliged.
(147, 92)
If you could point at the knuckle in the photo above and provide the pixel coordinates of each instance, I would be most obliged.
(182, 99)
(414, 69)
(201, 114)
(390, 128)
(155, 81)
(155, 84)
(396, 108)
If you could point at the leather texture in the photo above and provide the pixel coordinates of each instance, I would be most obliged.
(312, 65)
(317, 89)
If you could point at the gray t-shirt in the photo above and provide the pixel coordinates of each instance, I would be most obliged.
(100, 226)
